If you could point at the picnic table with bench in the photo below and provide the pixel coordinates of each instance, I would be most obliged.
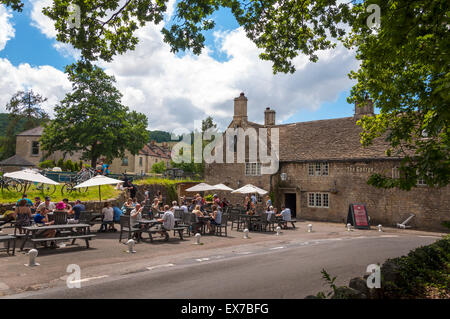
(9, 239)
(63, 233)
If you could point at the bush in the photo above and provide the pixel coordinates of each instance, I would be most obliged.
(159, 167)
(209, 198)
(414, 274)
(47, 164)
(60, 163)
(68, 166)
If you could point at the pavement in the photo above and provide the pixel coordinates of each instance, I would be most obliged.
(263, 266)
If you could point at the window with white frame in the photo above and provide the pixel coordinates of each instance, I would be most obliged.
(252, 169)
(318, 169)
(395, 173)
(125, 161)
(421, 180)
(319, 200)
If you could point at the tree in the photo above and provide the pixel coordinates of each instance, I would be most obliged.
(404, 63)
(91, 118)
(25, 112)
(208, 123)
(405, 70)
(159, 167)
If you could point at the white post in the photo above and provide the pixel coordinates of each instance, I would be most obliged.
(278, 230)
(246, 233)
(380, 229)
(349, 227)
(310, 228)
(131, 244)
(197, 238)
(32, 255)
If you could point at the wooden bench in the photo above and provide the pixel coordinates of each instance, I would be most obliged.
(9, 239)
(292, 221)
(73, 238)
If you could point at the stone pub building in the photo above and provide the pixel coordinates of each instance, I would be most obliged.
(323, 168)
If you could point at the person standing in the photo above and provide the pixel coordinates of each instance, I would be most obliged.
(23, 215)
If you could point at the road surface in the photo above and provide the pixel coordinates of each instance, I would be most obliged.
(289, 271)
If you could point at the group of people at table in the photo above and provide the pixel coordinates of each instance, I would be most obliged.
(27, 213)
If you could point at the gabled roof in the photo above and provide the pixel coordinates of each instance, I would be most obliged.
(16, 160)
(37, 131)
(334, 139)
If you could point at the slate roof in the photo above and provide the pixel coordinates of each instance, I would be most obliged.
(37, 131)
(334, 139)
(16, 160)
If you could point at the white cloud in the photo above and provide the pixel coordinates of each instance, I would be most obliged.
(45, 80)
(174, 90)
(6, 28)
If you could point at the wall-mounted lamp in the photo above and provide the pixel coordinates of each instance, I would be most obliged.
(283, 176)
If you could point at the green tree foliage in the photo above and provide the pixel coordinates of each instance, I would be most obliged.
(25, 113)
(159, 136)
(159, 167)
(404, 63)
(405, 70)
(91, 118)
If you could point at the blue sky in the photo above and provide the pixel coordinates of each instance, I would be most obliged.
(30, 45)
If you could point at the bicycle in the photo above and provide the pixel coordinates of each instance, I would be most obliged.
(10, 184)
(81, 177)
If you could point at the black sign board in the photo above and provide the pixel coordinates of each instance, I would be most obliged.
(357, 216)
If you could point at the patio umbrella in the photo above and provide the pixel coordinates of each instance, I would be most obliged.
(202, 187)
(99, 180)
(222, 187)
(250, 189)
(29, 175)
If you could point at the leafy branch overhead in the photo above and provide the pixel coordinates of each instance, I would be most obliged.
(404, 63)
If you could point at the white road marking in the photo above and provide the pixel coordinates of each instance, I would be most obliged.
(244, 252)
(280, 247)
(88, 279)
(160, 266)
(430, 236)
(389, 236)
(202, 259)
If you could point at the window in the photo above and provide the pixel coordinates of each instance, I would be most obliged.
(319, 200)
(421, 181)
(35, 148)
(125, 161)
(253, 169)
(395, 173)
(318, 169)
(140, 161)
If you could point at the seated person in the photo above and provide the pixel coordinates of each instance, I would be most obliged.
(41, 218)
(167, 220)
(174, 206)
(48, 205)
(75, 211)
(117, 213)
(23, 215)
(60, 206)
(270, 212)
(285, 215)
(216, 219)
(127, 204)
(29, 202)
(108, 218)
(37, 202)
(199, 222)
(68, 206)
(184, 207)
(135, 217)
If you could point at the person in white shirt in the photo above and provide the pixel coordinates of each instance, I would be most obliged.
(136, 215)
(108, 218)
(184, 207)
(168, 222)
(174, 206)
(285, 215)
(270, 212)
(48, 205)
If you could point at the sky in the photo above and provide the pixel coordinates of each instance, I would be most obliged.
(174, 90)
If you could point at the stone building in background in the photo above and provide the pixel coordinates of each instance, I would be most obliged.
(30, 154)
(323, 168)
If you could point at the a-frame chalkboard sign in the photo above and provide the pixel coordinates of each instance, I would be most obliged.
(357, 216)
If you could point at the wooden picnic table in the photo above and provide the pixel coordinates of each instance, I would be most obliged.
(149, 223)
(75, 231)
(249, 220)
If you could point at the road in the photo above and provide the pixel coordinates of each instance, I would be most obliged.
(289, 271)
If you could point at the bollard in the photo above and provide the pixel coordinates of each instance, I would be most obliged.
(349, 227)
(310, 228)
(246, 233)
(278, 230)
(32, 254)
(197, 238)
(131, 244)
(380, 228)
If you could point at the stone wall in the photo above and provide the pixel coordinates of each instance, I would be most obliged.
(347, 183)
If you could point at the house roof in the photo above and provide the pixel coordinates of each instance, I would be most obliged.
(37, 131)
(16, 160)
(334, 139)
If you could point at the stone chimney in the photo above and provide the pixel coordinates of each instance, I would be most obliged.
(240, 108)
(269, 117)
(366, 110)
